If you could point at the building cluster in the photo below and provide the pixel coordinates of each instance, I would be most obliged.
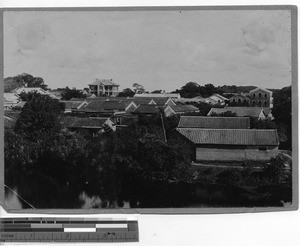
(213, 138)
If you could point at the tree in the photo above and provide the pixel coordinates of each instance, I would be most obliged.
(261, 124)
(209, 89)
(39, 115)
(45, 163)
(282, 108)
(126, 93)
(282, 112)
(48, 171)
(23, 96)
(190, 90)
(68, 94)
(138, 88)
(10, 84)
(129, 160)
(157, 92)
(28, 80)
(276, 170)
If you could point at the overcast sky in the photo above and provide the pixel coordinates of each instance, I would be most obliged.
(158, 49)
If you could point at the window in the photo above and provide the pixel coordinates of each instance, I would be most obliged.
(239, 100)
(266, 95)
(265, 103)
(233, 100)
(259, 95)
(253, 103)
(253, 95)
(259, 103)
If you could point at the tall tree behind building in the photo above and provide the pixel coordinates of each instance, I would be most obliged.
(24, 79)
(282, 112)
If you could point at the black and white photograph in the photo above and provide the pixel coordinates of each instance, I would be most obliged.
(148, 108)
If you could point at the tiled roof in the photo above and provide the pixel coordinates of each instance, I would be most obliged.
(230, 136)
(158, 95)
(142, 100)
(184, 108)
(74, 122)
(10, 97)
(102, 105)
(263, 89)
(185, 100)
(147, 109)
(240, 111)
(104, 82)
(12, 114)
(126, 119)
(161, 101)
(214, 122)
(72, 104)
(219, 96)
(34, 89)
(20, 104)
(89, 99)
(146, 100)
(240, 96)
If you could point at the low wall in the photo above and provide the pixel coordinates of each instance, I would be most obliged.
(209, 154)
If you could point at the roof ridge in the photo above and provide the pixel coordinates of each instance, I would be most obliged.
(219, 129)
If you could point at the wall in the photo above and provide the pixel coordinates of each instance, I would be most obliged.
(210, 154)
(243, 101)
(262, 99)
(168, 112)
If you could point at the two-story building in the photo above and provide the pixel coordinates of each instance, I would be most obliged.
(260, 97)
(104, 87)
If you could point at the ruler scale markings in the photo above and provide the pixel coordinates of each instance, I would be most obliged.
(62, 229)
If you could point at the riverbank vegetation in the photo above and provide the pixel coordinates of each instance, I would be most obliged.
(51, 166)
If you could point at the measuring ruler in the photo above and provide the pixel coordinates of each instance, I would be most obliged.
(68, 230)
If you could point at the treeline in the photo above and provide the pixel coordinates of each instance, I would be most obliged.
(282, 112)
(25, 79)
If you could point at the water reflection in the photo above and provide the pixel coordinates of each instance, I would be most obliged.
(12, 201)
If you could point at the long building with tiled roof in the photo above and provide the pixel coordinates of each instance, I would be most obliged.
(91, 125)
(255, 112)
(229, 145)
(214, 122)
(254, 137)
(111, 106)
